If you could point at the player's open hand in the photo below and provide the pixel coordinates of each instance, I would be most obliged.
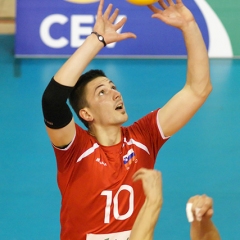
(152, 184)
(105, 24)
(173, 14)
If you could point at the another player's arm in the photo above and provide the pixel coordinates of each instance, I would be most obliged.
(181, 107)
(202, 226)
(70, 72)
(204, 230)
(146, 220)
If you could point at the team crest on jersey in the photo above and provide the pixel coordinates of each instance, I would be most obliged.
(129, 158)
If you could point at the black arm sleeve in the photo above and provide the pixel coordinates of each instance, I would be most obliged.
(56, 112)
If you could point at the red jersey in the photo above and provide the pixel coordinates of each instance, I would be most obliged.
(99, 198)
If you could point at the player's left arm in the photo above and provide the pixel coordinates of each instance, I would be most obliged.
(182, 106)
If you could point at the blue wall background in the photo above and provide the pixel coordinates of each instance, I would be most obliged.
(201, 158)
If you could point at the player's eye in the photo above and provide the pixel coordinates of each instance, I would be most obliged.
(101, 92)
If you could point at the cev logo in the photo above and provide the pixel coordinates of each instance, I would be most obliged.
(80, 26)
(77, 30)
(82, 1)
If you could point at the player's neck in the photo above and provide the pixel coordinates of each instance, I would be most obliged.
(107, 136)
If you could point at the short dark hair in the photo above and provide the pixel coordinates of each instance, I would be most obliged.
(77, 97)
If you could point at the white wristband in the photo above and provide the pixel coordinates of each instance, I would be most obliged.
(189, 212)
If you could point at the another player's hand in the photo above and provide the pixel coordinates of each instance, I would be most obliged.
(105, 24)
(152, 184)
(202, 207)
(173, 14)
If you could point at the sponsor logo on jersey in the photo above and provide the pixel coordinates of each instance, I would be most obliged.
(101, 162)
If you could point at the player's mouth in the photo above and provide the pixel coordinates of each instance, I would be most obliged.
(119, 107)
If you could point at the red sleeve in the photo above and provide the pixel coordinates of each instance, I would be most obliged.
(69, 155)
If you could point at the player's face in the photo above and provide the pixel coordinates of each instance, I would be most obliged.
(105, 102)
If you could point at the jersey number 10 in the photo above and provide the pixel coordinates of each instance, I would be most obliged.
(110, 199)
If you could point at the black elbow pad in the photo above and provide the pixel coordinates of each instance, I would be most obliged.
(56, 111)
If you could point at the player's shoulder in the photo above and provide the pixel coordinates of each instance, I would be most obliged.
(82, 134)
(80, 128)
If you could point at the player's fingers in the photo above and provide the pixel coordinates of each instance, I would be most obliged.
(154, 9)
(163, 4)
(192, 199)
(197, 203)
(205, 205)
(120, 23)
(209, 213)
(139, 174)
(140, 170)
(203, 202)
(100, 8)
(149, 175)
(201, 206)
(191, 207)
(178, 1)
(170, 2)
(199, 216)
(114, 15)
(126, 35)
(137, 177)
(108, 11)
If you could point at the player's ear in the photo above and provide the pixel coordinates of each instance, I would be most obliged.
(85, 114)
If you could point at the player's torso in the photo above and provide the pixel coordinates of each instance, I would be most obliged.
(100, 196)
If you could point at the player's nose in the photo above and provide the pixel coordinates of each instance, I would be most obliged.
(116, 94)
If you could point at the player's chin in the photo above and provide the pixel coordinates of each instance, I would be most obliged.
(124, 118)
(124, 113)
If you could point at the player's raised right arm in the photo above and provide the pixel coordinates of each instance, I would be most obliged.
(58, 118)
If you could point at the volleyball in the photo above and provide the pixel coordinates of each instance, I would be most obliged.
(142, 2)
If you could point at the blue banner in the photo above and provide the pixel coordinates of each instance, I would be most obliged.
(56, 28)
